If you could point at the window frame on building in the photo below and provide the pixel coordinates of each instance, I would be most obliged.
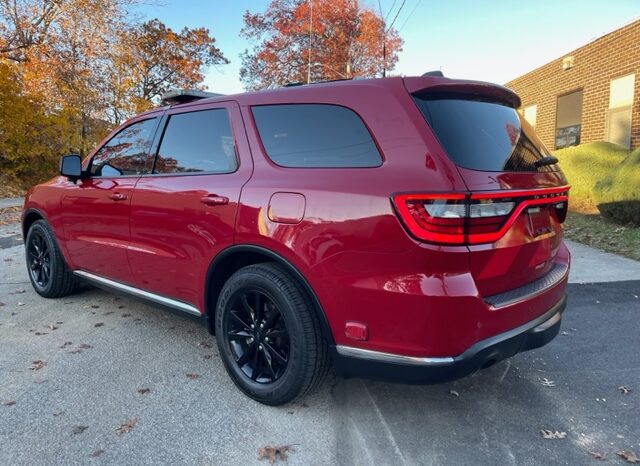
(620, 108)
(568, 135)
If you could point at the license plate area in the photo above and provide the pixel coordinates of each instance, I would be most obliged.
(539, 221)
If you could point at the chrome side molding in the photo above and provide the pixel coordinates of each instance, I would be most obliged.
(172, 303)
(392, 358)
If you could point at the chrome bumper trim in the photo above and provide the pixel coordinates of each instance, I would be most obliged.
(172, 303)
(392, 358)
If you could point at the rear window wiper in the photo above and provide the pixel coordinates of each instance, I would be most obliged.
(546, 160)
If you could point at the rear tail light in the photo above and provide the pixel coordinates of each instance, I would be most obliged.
(458, 218)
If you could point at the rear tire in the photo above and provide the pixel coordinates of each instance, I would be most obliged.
(268, 335)
(47, 271)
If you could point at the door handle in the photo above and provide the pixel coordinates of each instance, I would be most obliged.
(214, 199)
(118, 197)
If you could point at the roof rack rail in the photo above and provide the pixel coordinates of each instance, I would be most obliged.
(300, 83)
(181, 96)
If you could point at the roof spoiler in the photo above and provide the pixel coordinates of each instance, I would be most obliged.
(182, 96)
(444, 86)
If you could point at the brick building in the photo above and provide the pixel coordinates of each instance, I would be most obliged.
(590, 94)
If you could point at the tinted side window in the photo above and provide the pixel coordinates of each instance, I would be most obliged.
(127, 152)
(315, 135)
(197, 142)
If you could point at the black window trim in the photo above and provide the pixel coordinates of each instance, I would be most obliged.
(162, 127)
(270, 161)
(148, 153)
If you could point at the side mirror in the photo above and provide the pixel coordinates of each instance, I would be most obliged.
(71, 167)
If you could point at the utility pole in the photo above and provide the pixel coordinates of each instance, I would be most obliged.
(384, 39)
(310, 34)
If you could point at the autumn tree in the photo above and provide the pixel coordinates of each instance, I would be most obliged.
(152, 58)
(301, 40)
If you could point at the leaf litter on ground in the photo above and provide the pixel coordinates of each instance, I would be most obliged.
(274, 453)
(552, 434)
(126, 426)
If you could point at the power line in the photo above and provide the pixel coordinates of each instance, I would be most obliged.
(396, 16)
(390, 9)
(410, 15)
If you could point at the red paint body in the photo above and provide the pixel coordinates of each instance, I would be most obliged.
(337, 227)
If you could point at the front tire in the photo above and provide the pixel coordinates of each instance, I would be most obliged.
(47, 271)
(268, 335)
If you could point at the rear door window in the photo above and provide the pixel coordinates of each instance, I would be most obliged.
(315, 135)
(483, 135)
(197, 142)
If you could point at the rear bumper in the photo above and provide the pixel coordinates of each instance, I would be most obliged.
(356, 362)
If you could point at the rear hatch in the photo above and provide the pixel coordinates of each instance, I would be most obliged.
(511, 217)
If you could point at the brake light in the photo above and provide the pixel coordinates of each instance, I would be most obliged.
(459, 218)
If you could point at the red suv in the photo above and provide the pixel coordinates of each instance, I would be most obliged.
(400, 228)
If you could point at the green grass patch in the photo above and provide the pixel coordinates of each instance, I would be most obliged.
(584, 165)
(618, 193)
(598, 232)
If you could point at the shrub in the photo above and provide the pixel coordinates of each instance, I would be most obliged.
(618, 194)
(583, 166)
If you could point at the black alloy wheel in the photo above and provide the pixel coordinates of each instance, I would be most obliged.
(257, 336)
(48, 272)
(39, 259)
(269, 336)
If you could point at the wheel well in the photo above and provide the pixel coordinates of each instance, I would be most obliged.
(29, 219)
(232, 260)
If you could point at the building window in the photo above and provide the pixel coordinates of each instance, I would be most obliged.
(619, 113)
(530, 113)
(568, 119)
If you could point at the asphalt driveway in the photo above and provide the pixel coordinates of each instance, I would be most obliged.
(110, 363)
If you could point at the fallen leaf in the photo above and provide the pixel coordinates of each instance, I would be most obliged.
(205, 344)
(628, 456)
(192, 376)
(9, 402)
(98, 324)
(454, 393)
(58, 413)
(144, 391)
(549, 434)
(66, 343)
(624, 389)
(126, 315)
(95, 306)
(53, 327)
(596, 455)
(39, 334)
(126, 426)
(121, 307)
(8, 259)
(20, 303)
(207, 356)
(547, 383)
(84, 346)
(79, 429)
(274, 453)
(108, 313)
(37, 365)
(96, 453)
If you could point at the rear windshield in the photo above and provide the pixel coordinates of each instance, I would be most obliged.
(483, 135)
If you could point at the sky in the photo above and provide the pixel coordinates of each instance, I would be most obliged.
(488, 40)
